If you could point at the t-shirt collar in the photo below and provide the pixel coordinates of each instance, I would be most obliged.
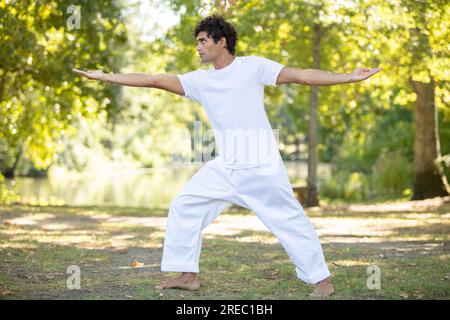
(226, 67)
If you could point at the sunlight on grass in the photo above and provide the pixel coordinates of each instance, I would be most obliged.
(264, 239)
(155, 222)
(15, 245)
(351, 263)
(32, 219)
(39, 243)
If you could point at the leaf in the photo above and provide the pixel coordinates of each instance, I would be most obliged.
(5, 293)
(271, 273)
(136, 264)
(404, 295)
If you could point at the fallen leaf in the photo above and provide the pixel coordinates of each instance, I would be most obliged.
(5, 293)
(136, 264)
(404, 295)
(271, 273)
(127, 296)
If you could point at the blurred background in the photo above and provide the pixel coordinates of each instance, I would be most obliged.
(68, 141)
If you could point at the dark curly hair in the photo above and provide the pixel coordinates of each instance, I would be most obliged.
(217, 27)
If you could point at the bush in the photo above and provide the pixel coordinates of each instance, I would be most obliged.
(345, 185)
(392, 174)
(391, 177)
(7, 196)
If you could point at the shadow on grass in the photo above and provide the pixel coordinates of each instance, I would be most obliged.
(38, 244)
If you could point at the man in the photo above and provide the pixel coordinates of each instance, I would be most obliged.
(232, 94)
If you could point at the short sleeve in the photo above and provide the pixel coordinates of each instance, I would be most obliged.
(190, 83)
(268, 71)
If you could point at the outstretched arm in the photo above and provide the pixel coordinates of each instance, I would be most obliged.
(168, 82)
(315, 77)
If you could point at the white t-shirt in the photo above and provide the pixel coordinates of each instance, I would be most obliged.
(233, 98)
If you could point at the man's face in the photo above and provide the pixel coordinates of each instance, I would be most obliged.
(207, 49)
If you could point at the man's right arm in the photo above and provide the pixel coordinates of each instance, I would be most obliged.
(168, 82)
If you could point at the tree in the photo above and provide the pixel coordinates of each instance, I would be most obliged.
(429, 178)
(414, 34)
(40, 98)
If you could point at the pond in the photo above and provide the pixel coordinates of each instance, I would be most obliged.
(139, 187)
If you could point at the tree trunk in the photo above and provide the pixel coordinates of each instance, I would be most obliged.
(2, 85)
(312, 198)
(429, 178)
(11, 172)
(297, 148)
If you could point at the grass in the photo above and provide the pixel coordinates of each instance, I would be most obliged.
(409, 242)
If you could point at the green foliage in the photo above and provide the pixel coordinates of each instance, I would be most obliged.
(48, 115)
(389, 178)
(381, 155)
(346, 186)
(7, 196)
(39, 95)
(392, 174)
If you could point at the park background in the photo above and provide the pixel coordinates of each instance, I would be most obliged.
(88, 169)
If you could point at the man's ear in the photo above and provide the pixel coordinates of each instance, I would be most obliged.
(223, 41)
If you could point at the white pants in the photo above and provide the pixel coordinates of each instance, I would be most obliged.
(213, 188)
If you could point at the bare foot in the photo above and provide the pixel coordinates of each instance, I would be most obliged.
(323, 289)
(187, 281)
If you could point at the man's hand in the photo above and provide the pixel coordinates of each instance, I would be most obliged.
(360, 74)
(93, 75)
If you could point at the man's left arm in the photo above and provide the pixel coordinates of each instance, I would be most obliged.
(316, 77)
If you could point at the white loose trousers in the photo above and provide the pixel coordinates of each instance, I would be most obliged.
(215, 187)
